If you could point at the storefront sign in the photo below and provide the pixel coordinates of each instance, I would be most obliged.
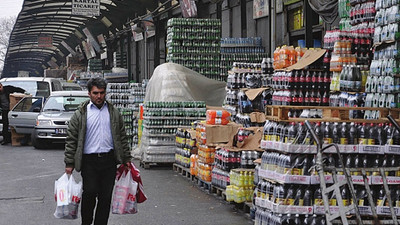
(45, 41)
(188, 8)
(86, 7)
(260, 9)
(137, 36)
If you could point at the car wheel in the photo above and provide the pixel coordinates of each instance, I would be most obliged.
(39, 144)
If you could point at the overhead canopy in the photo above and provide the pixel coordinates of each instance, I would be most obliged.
(53, 22)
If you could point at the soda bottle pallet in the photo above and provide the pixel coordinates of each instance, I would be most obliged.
(346, 149)
(318, 209)
(329, 114)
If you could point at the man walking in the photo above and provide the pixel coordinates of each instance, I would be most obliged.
(5, 92)
(96, 142)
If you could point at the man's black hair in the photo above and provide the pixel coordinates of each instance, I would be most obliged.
(98, 82)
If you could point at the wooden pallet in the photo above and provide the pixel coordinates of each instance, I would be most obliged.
(329, 114)
(218, 192)
(204, 185)
(184, 171)
(148, 165)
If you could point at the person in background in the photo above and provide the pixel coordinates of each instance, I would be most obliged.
(5, 92)
(96, 142)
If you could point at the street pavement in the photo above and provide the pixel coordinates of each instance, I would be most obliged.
(27, 178)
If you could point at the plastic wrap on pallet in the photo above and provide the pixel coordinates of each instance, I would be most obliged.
(158, 150)
(158, 158)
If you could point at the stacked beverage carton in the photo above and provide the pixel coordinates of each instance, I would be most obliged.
(127, 97)
(195, 44)
(160, 123)
(244, 50)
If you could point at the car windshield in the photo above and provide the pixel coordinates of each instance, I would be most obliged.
(35, 88)
(63, 103)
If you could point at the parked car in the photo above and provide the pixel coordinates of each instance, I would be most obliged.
(52, 121)
(69, 86)
(23, 116)
(36, 86)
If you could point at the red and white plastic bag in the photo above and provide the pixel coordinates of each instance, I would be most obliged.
(124, 197)
(68, 195)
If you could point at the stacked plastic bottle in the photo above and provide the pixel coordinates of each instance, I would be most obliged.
(286, 56)
(244, 76)
(206, 154)
(161, 120)
(127, 97)
(241, 185)
(301, 87)
(383, 86)
(185, 146)
(245, 50)
(195, 44)
(289, 184)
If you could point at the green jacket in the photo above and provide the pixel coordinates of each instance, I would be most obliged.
(76, 134)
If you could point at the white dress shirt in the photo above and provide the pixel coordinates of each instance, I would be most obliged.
(98, 130)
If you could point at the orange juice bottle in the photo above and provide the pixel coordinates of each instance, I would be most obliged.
(276, 58)
(282, 56)
(298, 53)
(291, 55)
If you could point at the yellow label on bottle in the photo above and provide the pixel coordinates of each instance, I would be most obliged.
(345, 202)
(266, 137)
(397, 203)
(328, 141)
(301, 202)
(371, 141)
(287, 171)
(362, 141)
(280, 201)
(390, 142)
(344, 141)
(262, 195)
(380, 202)
(297, 171)
(332, 202)
(361, 202)
(290, 201)
(267, 196)
(318, 202)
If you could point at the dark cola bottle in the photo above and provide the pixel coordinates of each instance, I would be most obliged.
(308, 196)
(290, 195)
(299, 197)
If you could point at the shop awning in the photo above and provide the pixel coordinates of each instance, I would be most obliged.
(45, 27)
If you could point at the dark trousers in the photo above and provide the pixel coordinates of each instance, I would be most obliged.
(6, 134)
(98, 177)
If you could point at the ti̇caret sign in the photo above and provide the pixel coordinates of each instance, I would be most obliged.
(86, 7)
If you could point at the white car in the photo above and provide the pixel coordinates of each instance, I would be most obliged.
(52, 121)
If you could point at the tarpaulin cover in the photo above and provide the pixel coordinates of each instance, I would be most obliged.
(174, 82)
(327, 9)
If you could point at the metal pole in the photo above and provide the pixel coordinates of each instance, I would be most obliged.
(145, 55)
(273, 26)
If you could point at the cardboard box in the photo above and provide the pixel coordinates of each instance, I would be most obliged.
(222, 135)
(251, 143)
(310, 56)
(15, 98)
(16, 138)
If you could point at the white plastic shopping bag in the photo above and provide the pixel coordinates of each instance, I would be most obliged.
(68, 194)
(124, 198)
